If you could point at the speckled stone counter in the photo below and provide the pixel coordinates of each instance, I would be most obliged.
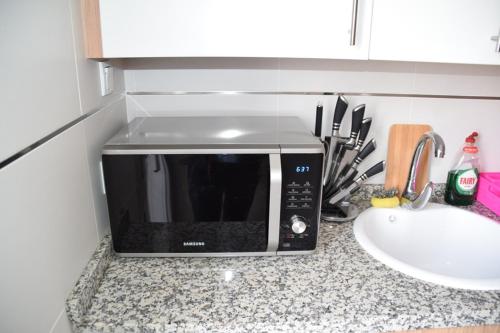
(340, 288)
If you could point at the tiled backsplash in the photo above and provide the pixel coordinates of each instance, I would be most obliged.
(452, 118)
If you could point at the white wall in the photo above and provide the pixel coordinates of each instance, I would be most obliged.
(38, 80)
(452, 118)
(52, 212)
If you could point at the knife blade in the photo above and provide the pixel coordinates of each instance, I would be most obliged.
(354, 185)
(338, 155)
(335, 139)
(353, 165)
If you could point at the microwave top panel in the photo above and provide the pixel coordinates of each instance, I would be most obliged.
(214, 133)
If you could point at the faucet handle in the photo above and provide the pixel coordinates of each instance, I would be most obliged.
(421, 200)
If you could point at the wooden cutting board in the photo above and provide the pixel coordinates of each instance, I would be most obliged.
(403, 139)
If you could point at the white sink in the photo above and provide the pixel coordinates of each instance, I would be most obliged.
(440, 244)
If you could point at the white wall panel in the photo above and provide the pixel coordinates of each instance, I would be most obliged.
(346, 76)
(203, 79)
(202, 105)
(457, 79)
(47, 232)
(38, 86)
(311, 75)
(98, 129)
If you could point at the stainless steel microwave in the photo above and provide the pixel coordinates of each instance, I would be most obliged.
(213, 186)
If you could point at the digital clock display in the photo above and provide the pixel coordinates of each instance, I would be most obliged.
(302, 169)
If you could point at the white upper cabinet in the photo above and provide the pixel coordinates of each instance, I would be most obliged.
(450, 31)
(453, 31)
(232, 28)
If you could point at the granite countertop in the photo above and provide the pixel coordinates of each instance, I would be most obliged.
(340, 288)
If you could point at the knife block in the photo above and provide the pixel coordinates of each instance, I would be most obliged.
(341, 212)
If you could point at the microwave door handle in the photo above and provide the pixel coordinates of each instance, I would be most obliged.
(274, 202)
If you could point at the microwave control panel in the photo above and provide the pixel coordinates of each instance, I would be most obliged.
(300, 201)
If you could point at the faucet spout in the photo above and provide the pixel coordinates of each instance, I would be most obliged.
(439, 147)
(410, 198)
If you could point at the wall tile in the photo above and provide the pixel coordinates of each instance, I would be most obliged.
(457, 79)
(310, 75)
(202, 79)
(98, 129)
(39, 90)
(47, 229)
(454, 120)
(346, 76)
(198, 105)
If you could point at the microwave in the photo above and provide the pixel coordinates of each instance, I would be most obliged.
(213, 186)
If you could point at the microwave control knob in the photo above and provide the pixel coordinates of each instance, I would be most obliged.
(298, 224)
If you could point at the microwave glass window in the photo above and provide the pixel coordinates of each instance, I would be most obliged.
(208, 188)
(188, 203)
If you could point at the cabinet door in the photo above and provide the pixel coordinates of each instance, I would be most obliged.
(322, 28)
(455, 31)
(234, 28)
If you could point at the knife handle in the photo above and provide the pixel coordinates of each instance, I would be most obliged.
(363, 132)
(349, 187)
(376, 169)
(343, 185)
(367, 150)
(349, 180)
(344, 172)
(346, 176)
(319, 120)
(354, 190)
(357, 118)
(338, 115)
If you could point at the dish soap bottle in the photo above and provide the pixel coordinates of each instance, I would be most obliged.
(461, 186)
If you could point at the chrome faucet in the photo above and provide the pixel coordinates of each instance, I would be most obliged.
(410, 198)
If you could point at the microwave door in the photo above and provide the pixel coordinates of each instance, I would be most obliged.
(193, 203)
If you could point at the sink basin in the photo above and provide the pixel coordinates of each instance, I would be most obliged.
(440, 244)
